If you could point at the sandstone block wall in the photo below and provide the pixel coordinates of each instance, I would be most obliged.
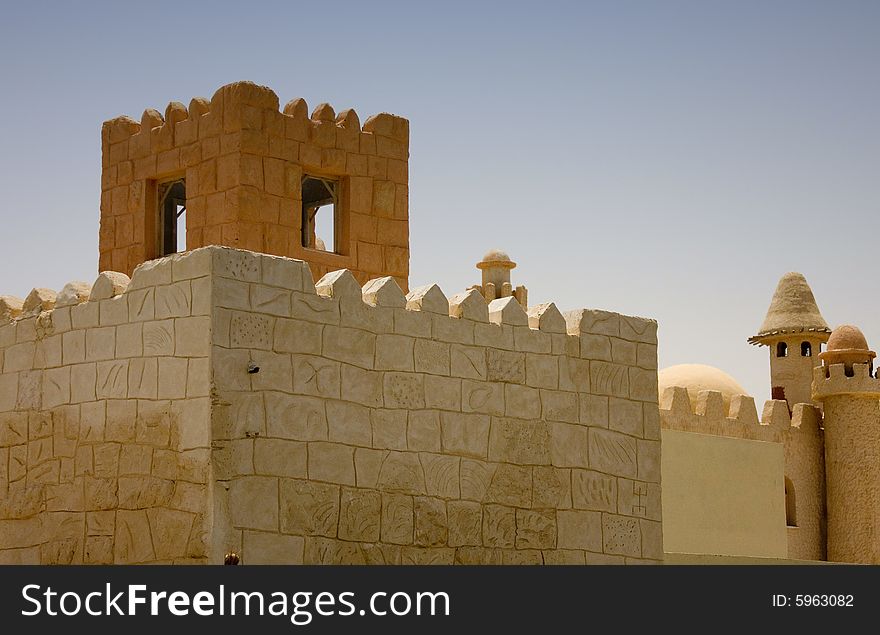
(222, 402)
(799, 433)
(385, 428)
(104, 421)
(243, 160)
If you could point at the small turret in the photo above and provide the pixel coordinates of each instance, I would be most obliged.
(847, 345)
(794, 331)
(496, 266)
(850, 396)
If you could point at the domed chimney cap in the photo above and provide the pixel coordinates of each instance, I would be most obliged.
(496, 258)
(847, 345)
(847, 337)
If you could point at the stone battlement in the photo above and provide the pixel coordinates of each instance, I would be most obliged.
(707, 415)
(242, 106)
(834, 380)
(541, 329)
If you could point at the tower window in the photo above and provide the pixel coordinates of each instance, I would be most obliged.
(790, 504)
(320, 203)
(172, 216)
(806, 349)
(782, 349)
(777, 393)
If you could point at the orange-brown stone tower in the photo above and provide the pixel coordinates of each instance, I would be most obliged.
(237, 171)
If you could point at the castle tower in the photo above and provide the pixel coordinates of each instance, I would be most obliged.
(236, 170)
(851, 398)
(794, 331)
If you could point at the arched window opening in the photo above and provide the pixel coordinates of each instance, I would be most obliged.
(806, 349)
(790, 504)
(782, 349)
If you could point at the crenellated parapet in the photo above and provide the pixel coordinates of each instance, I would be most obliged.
(707, 415)
(857, 380)
(602, 336)
(241, 160)
(248, 106)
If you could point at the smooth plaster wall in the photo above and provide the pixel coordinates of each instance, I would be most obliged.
(722, 496)
(799, 433)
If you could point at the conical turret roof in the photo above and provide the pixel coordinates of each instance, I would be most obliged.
(793, 309)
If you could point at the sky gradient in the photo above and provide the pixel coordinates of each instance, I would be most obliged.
(665, 159)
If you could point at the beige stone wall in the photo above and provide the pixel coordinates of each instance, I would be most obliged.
(723, 496)
(104, 421)
(389, 429)
(802, 441)
(221, 402)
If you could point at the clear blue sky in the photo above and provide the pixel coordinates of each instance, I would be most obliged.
(667, 159)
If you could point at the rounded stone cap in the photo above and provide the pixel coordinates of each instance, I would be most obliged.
(847, 344)
(847, 337)
(496, 258)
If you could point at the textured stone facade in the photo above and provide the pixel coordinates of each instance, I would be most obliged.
(224, 402)
(105, 422)
(382, 429)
